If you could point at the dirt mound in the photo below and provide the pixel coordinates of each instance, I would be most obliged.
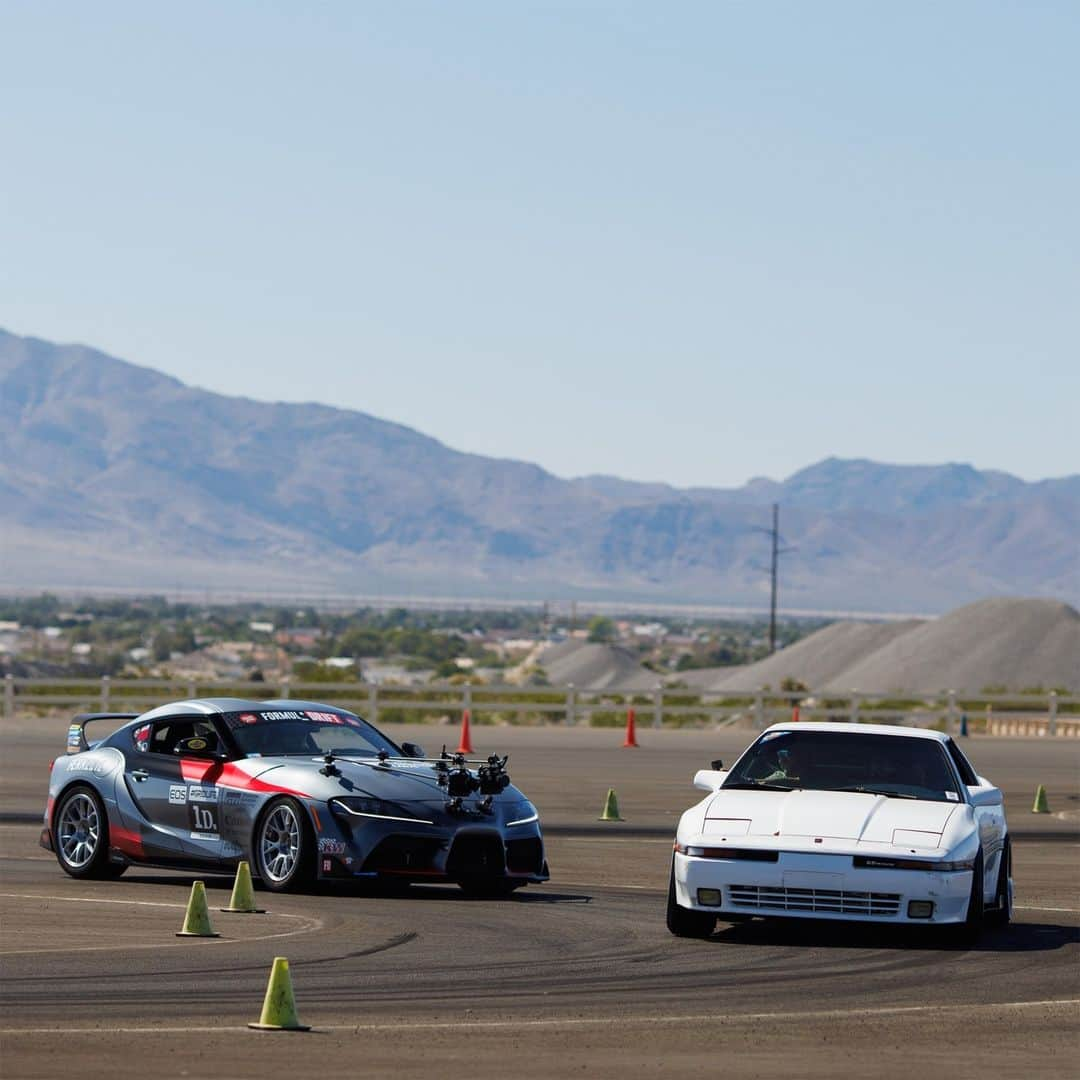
(593, 666)
(821, 658)
(1013, 643)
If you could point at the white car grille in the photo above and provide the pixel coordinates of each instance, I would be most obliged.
(827, 901)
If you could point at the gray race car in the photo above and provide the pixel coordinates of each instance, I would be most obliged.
(301, 790)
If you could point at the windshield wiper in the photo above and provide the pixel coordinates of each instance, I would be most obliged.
(756, 785)
(876, 791)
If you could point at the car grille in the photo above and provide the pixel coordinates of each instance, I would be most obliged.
(826, 901)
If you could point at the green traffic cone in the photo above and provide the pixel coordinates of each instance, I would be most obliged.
(279, 1005)
(611, 808)
(1041, 805)
(242, 901)
(197, 916)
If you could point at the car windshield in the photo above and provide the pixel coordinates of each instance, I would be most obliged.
(277, 732)
(891, 765)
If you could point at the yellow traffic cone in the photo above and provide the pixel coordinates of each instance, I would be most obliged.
(1041, 805)
(279, 1006)
(243, 895)
(197, 919)
(611, 807)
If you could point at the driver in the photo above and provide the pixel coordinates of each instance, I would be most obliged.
(790, 765)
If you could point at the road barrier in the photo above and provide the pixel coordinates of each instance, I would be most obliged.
(1038, 713)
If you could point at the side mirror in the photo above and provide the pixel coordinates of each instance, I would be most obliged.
(985, 796)
(198, 746)
(411, 749)
(716, 764)
(709, 779)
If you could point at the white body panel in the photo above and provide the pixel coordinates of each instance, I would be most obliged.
(794, 853)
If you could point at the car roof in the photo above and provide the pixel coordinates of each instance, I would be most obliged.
(212, 705)
(862, 729)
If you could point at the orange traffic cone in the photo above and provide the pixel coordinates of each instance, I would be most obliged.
(465, 746)
(631, 734)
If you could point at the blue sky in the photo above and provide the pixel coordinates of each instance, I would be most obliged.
(690, 242)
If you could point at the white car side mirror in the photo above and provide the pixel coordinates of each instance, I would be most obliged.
(985, 796)
(709, 779)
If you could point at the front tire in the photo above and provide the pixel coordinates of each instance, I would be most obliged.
(81, 835)
(966, 934)
(1001, 913)
(284, 847)
(683, 922)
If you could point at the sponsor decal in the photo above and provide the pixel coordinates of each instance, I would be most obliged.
(177, 795)
(327, 866)
(196, 744)
(198, 793)
(248, 718)
(952, 796)
(141, 738)
(324, 717)
(74, 735)
(204, 824)
(90, 765)
(329, 846)
(238, 798)
(287, 714)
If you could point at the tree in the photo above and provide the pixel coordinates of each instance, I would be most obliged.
(601, 628)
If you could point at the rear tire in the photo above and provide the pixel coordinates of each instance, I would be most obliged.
(1001, 913)
(81, 835)
(284, 847)
(683, 922)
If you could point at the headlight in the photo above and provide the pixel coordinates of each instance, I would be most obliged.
(354, 806)
(521, 813)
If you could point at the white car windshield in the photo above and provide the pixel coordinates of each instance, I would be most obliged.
(890, 765)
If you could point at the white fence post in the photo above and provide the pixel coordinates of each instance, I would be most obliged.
(105, 681)
(571, 719)
(658, 706)
(854, 706)
(759, 710)
(950, 721)
(373, 702)
(284, 691)
(9, 697)
(1051, 721)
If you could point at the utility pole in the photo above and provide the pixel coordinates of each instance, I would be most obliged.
(775, 560)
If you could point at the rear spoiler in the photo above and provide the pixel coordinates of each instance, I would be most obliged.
(76, 739)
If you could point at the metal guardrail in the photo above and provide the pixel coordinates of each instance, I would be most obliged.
(673, 706)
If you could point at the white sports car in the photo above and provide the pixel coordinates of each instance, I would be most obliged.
(858, 822)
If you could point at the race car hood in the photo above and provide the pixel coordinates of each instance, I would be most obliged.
(838, 815)
(399, 780)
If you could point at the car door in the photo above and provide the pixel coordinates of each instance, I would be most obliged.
(180, 817)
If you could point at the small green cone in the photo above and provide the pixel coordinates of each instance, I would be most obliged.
(279, 1005)
(1041, 805)
(243, 894)
(197, 918)
(611, 808)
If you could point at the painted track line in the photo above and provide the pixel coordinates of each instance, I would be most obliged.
(464, 1026)
(311, 925)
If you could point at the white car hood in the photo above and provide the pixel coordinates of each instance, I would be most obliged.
(837, 815)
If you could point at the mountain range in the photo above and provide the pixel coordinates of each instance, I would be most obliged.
(113, 474)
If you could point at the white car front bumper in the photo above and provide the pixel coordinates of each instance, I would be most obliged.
(812, 886)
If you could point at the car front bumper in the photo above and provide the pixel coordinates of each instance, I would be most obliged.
(812, 886)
